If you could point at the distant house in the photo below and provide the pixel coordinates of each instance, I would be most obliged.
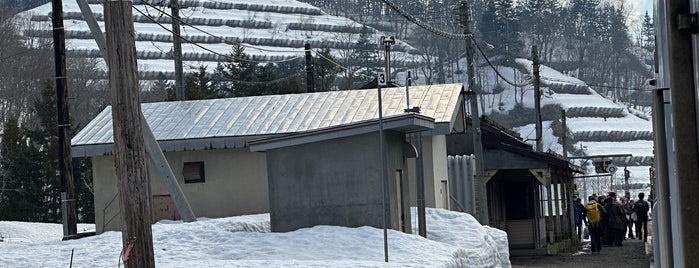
(207, 144)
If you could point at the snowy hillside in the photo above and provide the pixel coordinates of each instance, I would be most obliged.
(270, 31)
(598, 125)
(454, 239)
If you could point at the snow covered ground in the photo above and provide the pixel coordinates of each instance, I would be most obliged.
(454, 239)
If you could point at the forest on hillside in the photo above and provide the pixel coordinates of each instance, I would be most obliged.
(593, 40)
(598, 41)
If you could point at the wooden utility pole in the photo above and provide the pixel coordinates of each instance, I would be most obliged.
(537, 97)
(68, 207)
(479, 180)
(177, 50)
(129, 150)
(564, 138)
(310, 84)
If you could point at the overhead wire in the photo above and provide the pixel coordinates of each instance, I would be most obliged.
(261, 82)
(426, 26)
(514, 84)
(218, 37)
(468, 37)
(215, 52)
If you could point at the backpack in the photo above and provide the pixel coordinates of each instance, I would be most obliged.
(593, 213)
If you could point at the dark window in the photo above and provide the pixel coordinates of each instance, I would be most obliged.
(193, 172)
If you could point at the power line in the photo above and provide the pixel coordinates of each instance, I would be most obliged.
(24, 52)
(498, 72)
(426, 26)
(214, 52)
(215, 36)
(261, 82)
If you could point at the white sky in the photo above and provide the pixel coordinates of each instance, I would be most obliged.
(452, 237)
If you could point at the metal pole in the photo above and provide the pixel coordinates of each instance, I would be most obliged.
(663, 252)
(681, 53)
(408, 83)
(387, 42)
(382, 168)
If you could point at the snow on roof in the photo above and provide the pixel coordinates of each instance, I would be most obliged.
(228, 123)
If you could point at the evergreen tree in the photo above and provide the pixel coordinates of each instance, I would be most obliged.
(21, 196)
(266, 76)
(197, 86)
(291, 80)
(44, 137)
(648, 34)
(233, 78)
(324, 70)
(366, 54)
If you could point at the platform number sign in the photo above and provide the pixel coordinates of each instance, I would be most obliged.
(381, 78)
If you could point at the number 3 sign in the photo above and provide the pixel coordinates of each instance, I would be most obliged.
(382, 78)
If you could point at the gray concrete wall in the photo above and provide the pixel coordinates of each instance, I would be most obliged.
(434, 157)
(236, 184)
(335, 182)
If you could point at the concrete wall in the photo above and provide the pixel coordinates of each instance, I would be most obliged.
(236, 184)
(311, 184)
(434, 157)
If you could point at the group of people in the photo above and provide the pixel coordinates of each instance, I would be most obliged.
(609, 220)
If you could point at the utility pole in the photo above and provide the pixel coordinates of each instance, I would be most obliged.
(177, 50)
(479, 180)
(564, 138)
(537, 97)
(129, 149)
(310, 84)
(68, 206)
(152, 147)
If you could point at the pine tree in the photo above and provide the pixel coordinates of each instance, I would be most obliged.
(22, 197)
(324, 70)
(648, 34)
(233, 78)
(197, 85)
(366, 54)
(266, 76)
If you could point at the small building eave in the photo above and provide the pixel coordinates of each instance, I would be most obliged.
(179, 145)
(403, 123)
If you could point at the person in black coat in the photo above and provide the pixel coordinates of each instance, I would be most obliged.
(616, 221)
(641, 207)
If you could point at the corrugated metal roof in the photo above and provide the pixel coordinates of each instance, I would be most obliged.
(224, 121)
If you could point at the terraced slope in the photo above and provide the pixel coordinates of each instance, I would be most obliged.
(599, 126)
(271, 30)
